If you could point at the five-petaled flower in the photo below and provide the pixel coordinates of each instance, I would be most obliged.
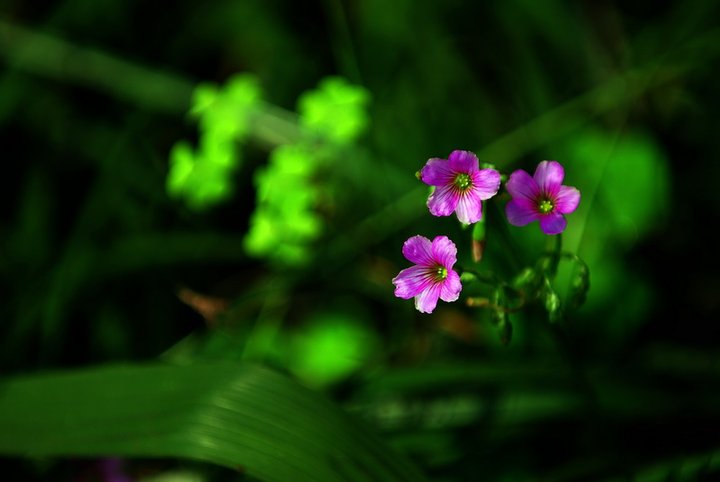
(460, 186)
(432, 277)
(541, 198)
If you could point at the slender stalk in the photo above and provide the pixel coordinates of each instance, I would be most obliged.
(555, 255)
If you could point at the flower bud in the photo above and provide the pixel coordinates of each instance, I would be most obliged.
(579, 287)
(526, 279)
(478, 240)
(553, 305)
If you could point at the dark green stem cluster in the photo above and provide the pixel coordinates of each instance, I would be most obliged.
(532, 285)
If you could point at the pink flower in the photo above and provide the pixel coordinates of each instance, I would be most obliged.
(460, 186)
(432, 277)
(541, 198)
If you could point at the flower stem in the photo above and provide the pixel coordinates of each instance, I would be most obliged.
(554, 256)
(484, 277)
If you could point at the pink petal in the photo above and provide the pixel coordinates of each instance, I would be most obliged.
(451, 287)
(486, 183)
(426, 300)
(437, 172)
(469, 208)
(521, 211)
(463, 161)
(444, 251)
(411, 281)
(419, 250)
(567, 199)
(553, 223)
(443, 201)
(521, 186)
(549, 176)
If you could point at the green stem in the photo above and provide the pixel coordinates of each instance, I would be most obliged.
(555, 253)
(486, 277)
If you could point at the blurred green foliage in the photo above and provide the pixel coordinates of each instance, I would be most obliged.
(160, 203)
(205, 178)
(331, 347)
(218, 412)
(286, 220)
(628, 195)
(335, 112)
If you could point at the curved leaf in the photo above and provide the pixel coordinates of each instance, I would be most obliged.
(241, 416)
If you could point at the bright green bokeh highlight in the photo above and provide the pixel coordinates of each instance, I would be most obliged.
(284, 222)
(336, 111)
(624, 180)
(632, 178)
(227, 111)
(203, 178)
(182, 163)
(330, 348)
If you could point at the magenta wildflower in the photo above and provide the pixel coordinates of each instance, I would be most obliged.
(541, 198)
(461, 186)
(432, 277)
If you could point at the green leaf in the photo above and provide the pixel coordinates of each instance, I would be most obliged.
(689, 468)
(240, 416)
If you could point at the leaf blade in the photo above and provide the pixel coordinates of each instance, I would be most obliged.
(233, 415)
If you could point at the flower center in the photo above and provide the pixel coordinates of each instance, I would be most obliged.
(441, 273)
(545, 206)
(463, 181)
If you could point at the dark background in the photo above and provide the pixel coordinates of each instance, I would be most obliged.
(94, 254)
